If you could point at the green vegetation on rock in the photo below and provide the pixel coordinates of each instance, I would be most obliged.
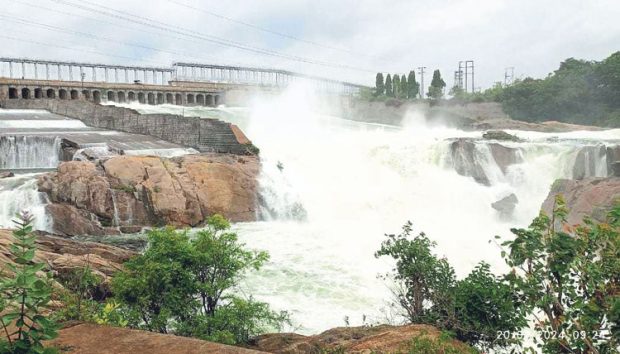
(25, 297)
(185, 285)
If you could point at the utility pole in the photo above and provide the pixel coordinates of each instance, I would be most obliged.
(421, 73)
(509, 75)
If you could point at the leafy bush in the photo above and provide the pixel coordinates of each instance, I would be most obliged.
(184, 285)
(569, 279)
(476, 308)
(25, 296)
(81, 290)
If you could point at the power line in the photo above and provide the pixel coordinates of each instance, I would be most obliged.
(89, 50)
(262, 29)
(88, 35)
(190, 33)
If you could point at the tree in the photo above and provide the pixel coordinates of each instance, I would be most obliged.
(186, 286)
(403, 87)
(568, 278)
(477, 309)
(379, 85)
(388, 86)
(413, 87)
(25, 296)
(396, 85)
(435, 90)
(421, 275)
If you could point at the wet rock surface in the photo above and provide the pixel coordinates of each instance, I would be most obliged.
(125, 193)
(506, 205)
(593, 197)
(468, 159)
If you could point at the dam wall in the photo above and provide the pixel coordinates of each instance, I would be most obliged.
(202, 134)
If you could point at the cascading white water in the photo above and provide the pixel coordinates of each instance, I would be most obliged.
(332, 188)
(20, 193)
(29, 152)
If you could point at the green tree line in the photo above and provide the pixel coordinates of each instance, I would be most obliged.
(407, 87)
(579, 92)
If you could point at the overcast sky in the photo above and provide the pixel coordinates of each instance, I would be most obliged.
(353, 39)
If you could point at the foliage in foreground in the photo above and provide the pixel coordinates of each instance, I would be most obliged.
(476, 308)
(184, 285)
(568, 278)
(24, 297)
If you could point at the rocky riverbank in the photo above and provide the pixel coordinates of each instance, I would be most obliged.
(123, 194)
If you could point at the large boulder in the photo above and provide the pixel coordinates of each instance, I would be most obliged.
(469, 160)
(89, 338)
(613, 160)
(375, 339)
(506, 205)
(124, 193)
(64, 255)
(587, 160)
(593, 197)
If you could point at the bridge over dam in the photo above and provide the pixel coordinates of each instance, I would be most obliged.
(189, 84)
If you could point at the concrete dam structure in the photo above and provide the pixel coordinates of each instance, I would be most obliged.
(187, 84)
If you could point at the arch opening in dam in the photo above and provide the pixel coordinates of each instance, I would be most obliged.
(50, 93)
(62, 94)
(38, 93)
(131, 96)
(169, 98)
(190, 98)
(75, 94)
(121, 96)
(96, 96)
(178, 99)
(13, 93)
(26, 93)
(141, 97)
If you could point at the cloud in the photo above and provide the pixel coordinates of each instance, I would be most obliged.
(390, 36)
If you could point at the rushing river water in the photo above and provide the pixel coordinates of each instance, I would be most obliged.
(331, 188)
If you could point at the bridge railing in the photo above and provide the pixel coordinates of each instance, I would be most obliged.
(24, 68)
(259, 77)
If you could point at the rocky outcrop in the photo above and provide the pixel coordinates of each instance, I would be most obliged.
(499, 135)
(63, 255)
(377, 339)
(506, 205)
(593, 197)
(469, 160)
(89, 338)
(123, 192)
(613, 160)
(587, 160)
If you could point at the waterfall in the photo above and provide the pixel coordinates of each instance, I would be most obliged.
(331, 188)
(116, 220)
(20, 193)
(29, 152)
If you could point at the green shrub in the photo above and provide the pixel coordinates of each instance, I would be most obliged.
(25, 296)
(186, 286)
(568, 278)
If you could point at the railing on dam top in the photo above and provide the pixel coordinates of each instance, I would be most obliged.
(23, 68)
(258, 76)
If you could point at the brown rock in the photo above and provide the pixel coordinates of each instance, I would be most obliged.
(593, 197)
(378, 339)
(129, 192)
(89, 339)
(62, 254)
(466, 158)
